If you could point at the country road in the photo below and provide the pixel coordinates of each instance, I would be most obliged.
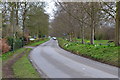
(53, 62)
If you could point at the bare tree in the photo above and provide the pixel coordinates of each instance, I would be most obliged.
(117, 29)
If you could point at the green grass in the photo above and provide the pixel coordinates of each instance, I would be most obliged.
(8, 55)
(37, 43)
(103, 53)
(104, 42)
(23, 68)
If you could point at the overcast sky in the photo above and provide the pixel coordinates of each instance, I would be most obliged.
(50, 8)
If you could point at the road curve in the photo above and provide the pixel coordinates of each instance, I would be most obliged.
(54, 62)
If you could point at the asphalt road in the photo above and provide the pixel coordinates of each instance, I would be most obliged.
(53, 62)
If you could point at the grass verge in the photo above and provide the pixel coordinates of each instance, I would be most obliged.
(102, 53)
(8, 55)
(37, 43)
(23, 68)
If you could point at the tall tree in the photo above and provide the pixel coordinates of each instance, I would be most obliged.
(117, 29)
(40, 26)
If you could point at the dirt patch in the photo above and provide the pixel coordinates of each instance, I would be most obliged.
(7, 71)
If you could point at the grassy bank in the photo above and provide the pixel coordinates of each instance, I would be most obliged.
(37, 43)
(22, 68)
(103, 53)
(8, 55)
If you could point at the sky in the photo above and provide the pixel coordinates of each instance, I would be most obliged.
(50, 8)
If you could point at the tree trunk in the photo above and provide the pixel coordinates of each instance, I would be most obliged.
(92, 24)
(24, 17)
(82, 32)
(17, 6)
(117, 29)
(92, 35)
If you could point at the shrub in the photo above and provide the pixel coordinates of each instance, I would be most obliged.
(15, 43)
(4, 47)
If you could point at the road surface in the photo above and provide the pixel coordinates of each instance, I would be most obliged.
(53, 62)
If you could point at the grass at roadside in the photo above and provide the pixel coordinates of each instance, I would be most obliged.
(102, 53)
(8, 55)
(103, 42)
(37, 43)
(23, 68)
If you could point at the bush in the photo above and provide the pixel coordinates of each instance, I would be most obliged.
(4, 47)
(15, 43)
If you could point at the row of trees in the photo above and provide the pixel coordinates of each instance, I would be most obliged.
(87, 20)
(22, 17)
(22, 20)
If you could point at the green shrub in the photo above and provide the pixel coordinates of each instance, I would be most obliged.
(15, 43)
